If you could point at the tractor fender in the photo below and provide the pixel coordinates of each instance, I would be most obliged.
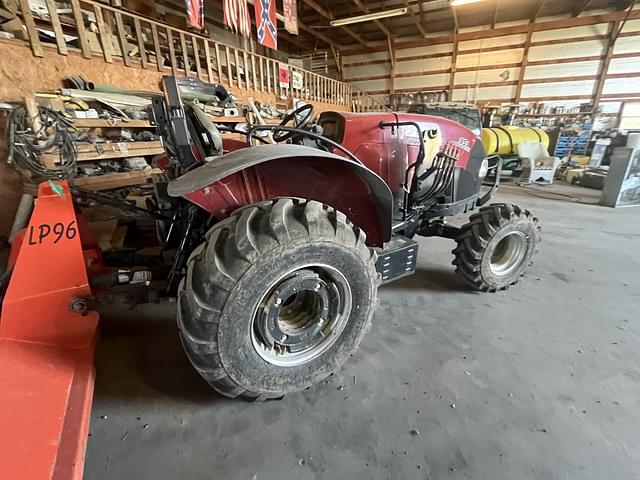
(264, 172)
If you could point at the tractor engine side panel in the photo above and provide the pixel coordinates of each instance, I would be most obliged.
(318, 179)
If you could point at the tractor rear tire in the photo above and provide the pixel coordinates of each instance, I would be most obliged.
(276, 299)
(496, 246)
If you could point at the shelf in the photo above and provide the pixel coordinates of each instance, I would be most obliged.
(534, 115)
(110, 123)
(103, 151)
(116, 180)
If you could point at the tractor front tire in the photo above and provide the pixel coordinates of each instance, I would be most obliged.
(276, 299)
(496, 246)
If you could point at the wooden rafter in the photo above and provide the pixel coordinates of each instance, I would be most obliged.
(318, 35)
(392, 60)
(585, 4)
(365, 9)
(616, 30)
(456, 26)
(525, 52)
(417, 20)
(454, 62)
(329, 16)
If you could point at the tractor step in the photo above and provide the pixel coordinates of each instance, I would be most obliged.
(398, 258)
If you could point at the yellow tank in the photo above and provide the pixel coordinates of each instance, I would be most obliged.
(505, 140)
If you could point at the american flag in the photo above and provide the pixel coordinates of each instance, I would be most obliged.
(236, 16)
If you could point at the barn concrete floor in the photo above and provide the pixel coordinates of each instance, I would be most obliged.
(540, 382)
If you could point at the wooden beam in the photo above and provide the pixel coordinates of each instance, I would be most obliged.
(616, 29)
(185, 55)
(525, 52)
(196, 55)
(499, 32)
(454, 61)
(585, 4)
(34, 39)
(172, 52)
(318, 35)
(105, 34)
(122, 39)
(392, 59)
(523, 64)
(365, 9)
(416, 20)
(207, 56)
(82, 34)
(141, 50)
(57, 26)
(156, 47)
(329, 16)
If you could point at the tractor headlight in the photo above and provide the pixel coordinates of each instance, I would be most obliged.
(484, 168)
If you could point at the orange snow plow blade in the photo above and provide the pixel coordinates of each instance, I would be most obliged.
(47, 344)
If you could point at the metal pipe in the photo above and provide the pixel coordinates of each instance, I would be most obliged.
(23, 214)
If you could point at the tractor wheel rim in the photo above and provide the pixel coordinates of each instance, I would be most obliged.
(301, 315)
(509, 253)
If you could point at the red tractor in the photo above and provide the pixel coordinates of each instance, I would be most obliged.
(281, 248)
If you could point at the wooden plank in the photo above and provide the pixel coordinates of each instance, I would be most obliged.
(238, 76)
(34, 39)
(454, 61)
(196, 55)
(227, 58)
(267, 61)
(207, 54)
(156, 47)
(606, 62)
(172, 53)
(218, 64)
(185, 55)
(523, 67)
(245, 61)
(80, 30)
(105, 34)
(57, 27)
(88, 153)
(253, 71)
(112, 123)
(116, 180)
(141, 50)
(122, 38)
(259, 73)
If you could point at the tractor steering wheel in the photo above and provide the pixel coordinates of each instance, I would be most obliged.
(305, 111)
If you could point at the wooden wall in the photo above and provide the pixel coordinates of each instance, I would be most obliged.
(23, 74)
(560, 61)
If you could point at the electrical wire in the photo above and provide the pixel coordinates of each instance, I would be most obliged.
(27, 146)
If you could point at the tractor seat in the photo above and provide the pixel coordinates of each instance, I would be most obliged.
(204, 135)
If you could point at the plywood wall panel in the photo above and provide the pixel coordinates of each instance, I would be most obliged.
(562, 70)
(425, 82)
(566, 50)
(490, 58)
(581, 87)
(432, 64)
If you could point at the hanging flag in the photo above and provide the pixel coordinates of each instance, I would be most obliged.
(290, 16)
(195, 13)
(236, 16)
(283, 75)
(266, 23)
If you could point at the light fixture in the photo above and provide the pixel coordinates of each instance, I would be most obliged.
(369, 17)
(457, 3)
